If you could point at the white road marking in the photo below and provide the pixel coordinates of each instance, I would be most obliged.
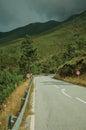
(79, 99)
(32, 123)
(63, 91)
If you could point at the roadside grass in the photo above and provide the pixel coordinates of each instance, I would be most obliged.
(75, 80)
(12, 104)
(28, 111)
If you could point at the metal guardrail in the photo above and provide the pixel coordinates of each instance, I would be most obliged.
(14, 122)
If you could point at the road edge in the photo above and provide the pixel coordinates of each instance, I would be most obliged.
(32, 117)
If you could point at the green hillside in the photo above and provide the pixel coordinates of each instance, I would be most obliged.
(31, 29)
(72, 31)
(53, 41)
(56, 42)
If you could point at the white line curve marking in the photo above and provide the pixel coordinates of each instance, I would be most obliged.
(79, 99)
(63, 91)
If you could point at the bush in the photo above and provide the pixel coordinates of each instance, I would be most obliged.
(9, 80)
(70, 67)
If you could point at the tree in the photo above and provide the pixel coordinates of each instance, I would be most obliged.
(28, 56)
(68, 51)
(80, 43)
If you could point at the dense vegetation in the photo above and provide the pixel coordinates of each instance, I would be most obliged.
(53, 44)
(9, 79)
(13, 68)
(28, 56)
(71, 67)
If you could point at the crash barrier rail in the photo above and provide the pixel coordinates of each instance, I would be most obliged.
(13, 122)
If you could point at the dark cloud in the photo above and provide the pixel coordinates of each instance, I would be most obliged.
(5, 14)
(15, 13)
(59, 9)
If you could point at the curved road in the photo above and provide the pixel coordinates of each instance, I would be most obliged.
(59, 105)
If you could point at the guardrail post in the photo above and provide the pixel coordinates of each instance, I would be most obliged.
(10, 121)
(22, 103)
(25, 94)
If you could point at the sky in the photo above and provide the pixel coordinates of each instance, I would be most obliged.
(17, 13)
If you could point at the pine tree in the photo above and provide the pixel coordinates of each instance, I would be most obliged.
(28, 56)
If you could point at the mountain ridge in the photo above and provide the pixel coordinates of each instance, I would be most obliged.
(36, 28)
(30, 29)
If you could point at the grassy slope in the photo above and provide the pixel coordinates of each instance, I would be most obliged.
(63, 34)
(53, 41)
(12, 104)
(31, 29)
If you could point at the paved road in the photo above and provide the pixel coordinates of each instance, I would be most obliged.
(59, 105)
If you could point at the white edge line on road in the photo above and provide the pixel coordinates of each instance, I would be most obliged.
(79, 99)
(63, 91)
(32, 123)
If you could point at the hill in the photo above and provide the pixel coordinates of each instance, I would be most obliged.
(71, 31)
(31, 29)
(56, 42)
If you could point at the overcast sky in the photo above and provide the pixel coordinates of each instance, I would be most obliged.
(17, 13)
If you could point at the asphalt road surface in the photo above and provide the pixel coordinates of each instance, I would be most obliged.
(59, 105)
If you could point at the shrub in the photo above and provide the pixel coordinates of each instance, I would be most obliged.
(8, 82)
(70, 67)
